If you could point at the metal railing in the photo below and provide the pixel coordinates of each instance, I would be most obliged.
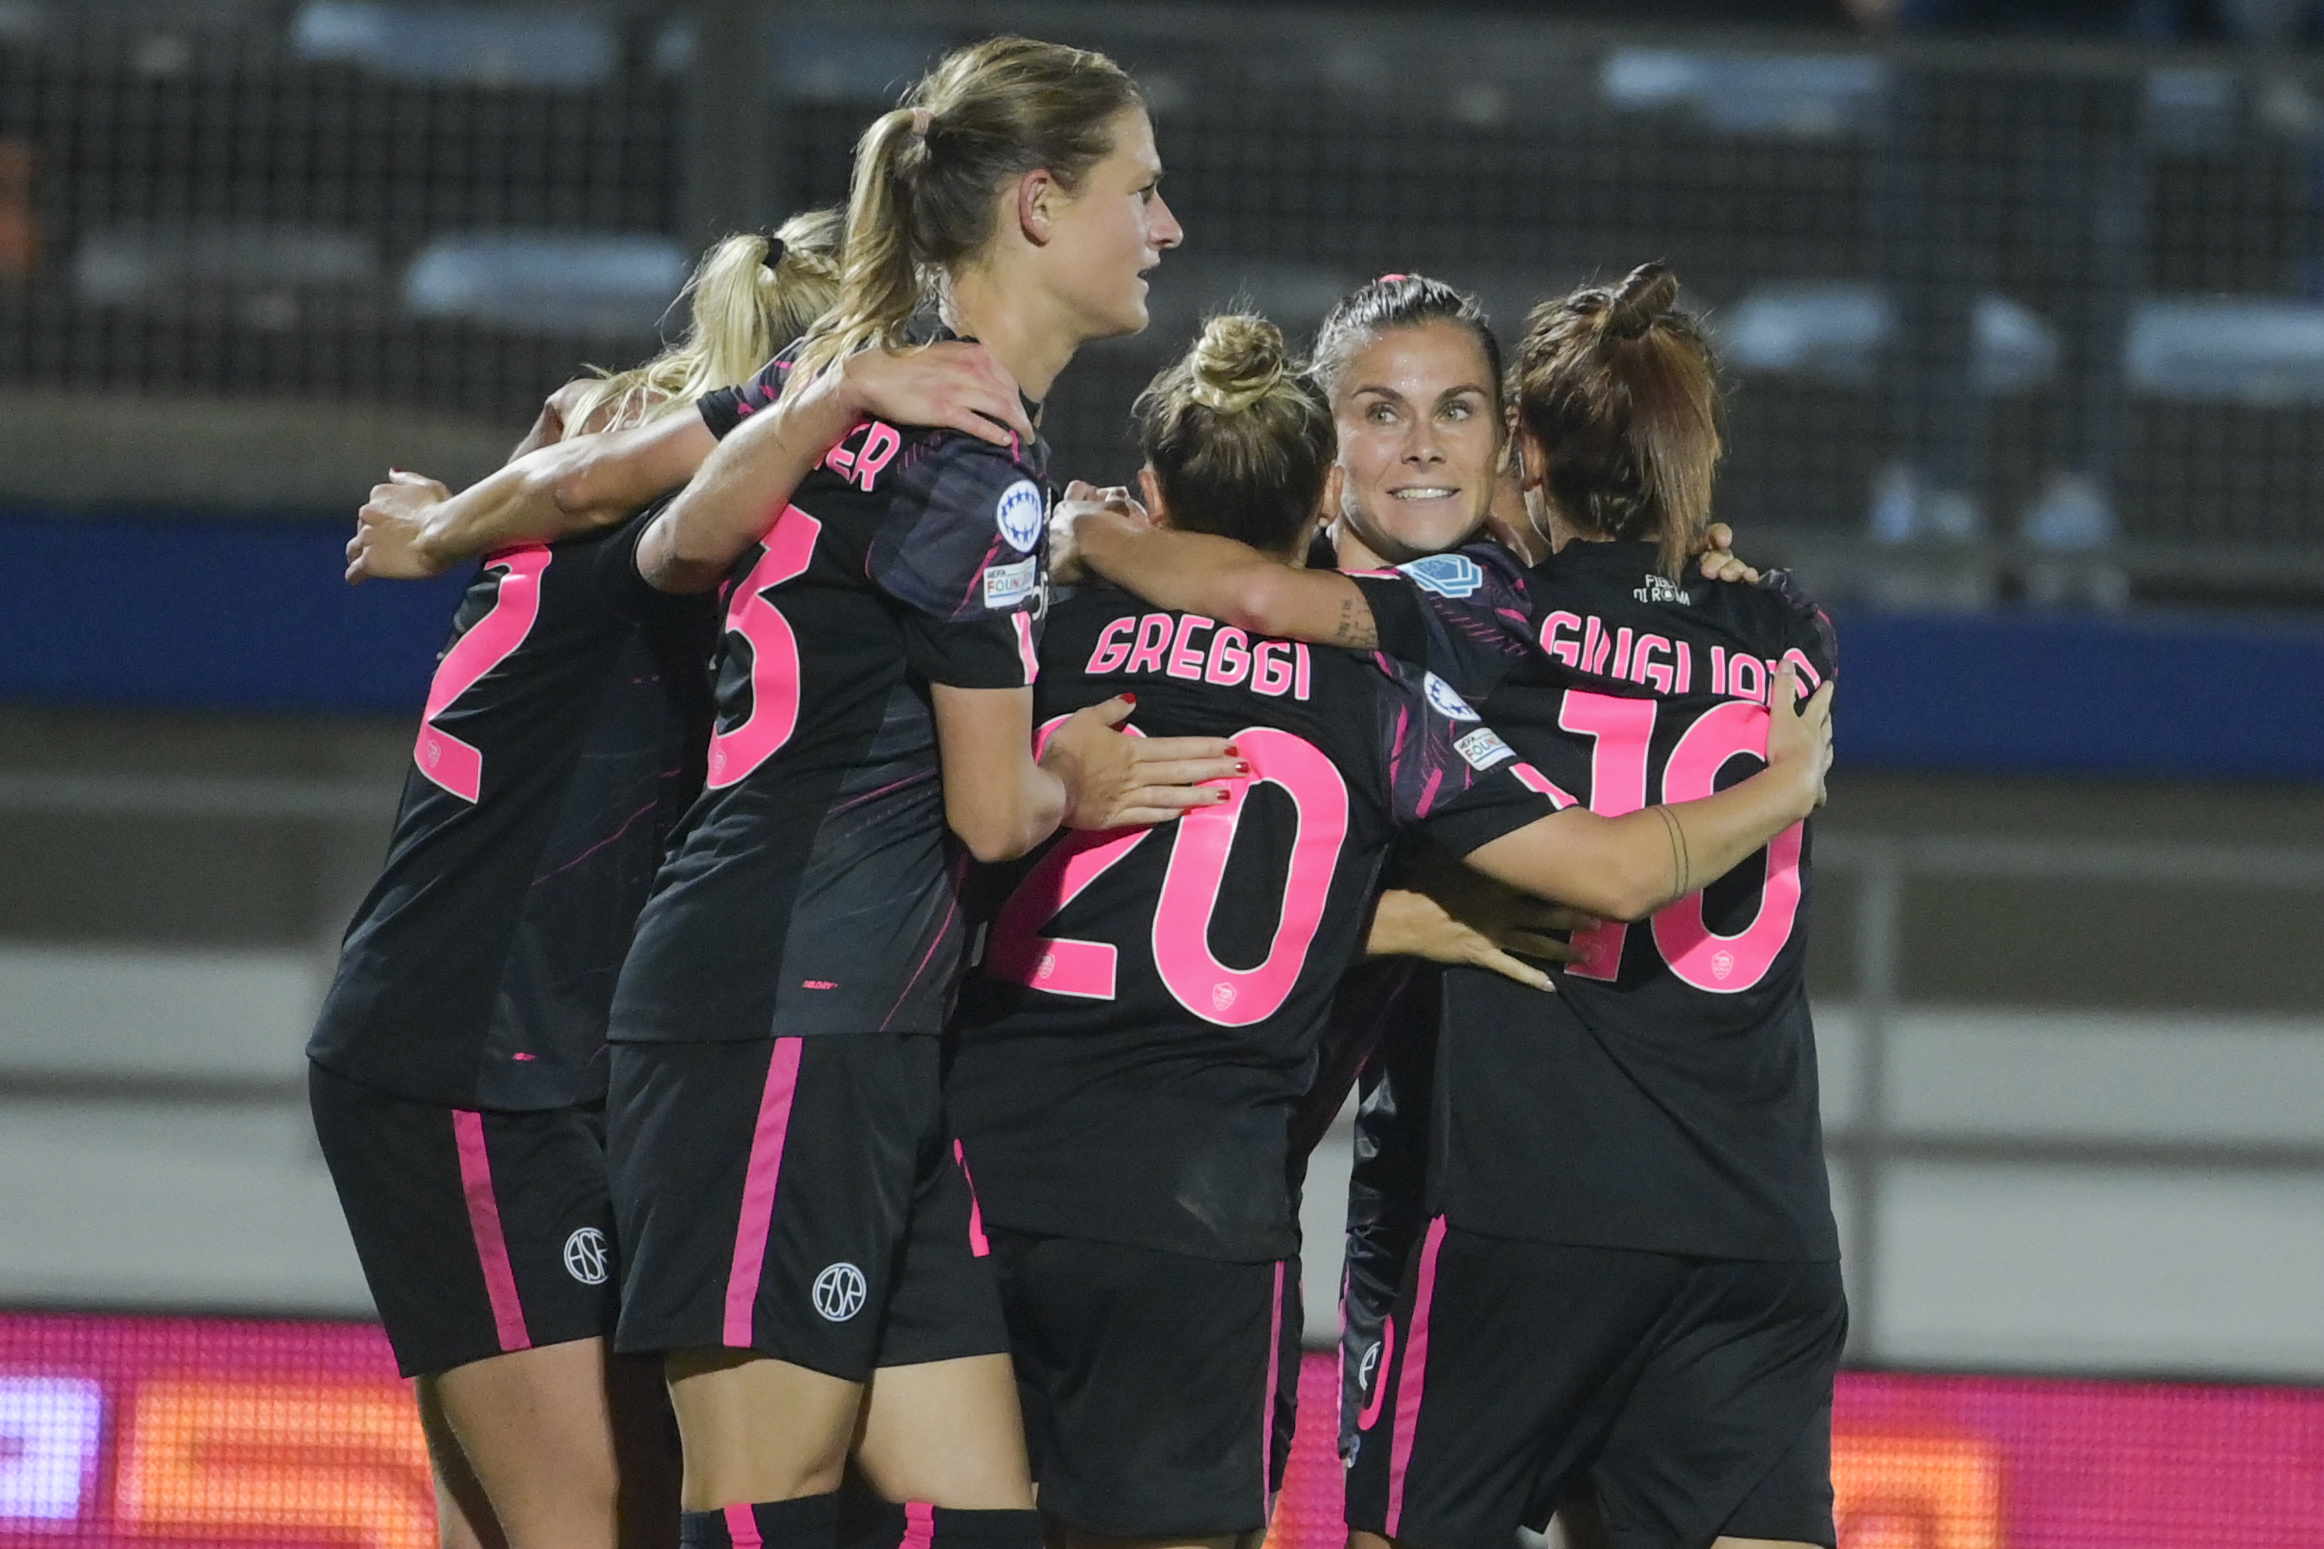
(1871, 1144)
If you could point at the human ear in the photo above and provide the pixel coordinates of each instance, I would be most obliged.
(1334, 483)
(1150, 491)
(1037, 197)
(1531, 464)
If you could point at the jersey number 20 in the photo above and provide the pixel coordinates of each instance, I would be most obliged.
(1622, 730)
(1204, 838)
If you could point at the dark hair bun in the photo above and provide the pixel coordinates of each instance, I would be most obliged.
(1641, 301)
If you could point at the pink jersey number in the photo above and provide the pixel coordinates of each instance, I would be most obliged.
(1231, 997)
(455, 765)
(1018, 954)
(1623, 729)
(1705, 959)
(1238, 997)
(774, 652)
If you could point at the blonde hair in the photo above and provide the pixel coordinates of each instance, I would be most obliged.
(1239, 437)
(927, 173)
(1621, 390)
(744, 311)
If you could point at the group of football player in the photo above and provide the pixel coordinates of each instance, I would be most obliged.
(868, 945)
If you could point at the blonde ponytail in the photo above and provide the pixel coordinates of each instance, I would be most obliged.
(750, 296)
(928, 174)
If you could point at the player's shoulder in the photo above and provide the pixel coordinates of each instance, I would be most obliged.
(1466, 572)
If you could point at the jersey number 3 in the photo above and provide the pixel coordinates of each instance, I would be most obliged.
(774, 652)
(1622, 730)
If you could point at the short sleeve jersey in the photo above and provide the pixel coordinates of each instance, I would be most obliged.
(1148, 1008)
(561, 742)
(1666, 1097)
(815, 890)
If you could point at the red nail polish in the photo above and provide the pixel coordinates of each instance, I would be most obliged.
(1232, 751)
(1130, 697)
(1242, 766)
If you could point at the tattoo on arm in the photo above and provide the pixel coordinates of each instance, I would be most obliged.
(1357, 630)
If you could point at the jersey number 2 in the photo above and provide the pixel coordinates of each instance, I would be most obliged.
(774, 652)
(455, 765)
(1622, 729)
(1196, 979)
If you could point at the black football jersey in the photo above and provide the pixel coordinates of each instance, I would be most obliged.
(816, 887)
(561, 741)
(1146, 1014)
(1665, 1098)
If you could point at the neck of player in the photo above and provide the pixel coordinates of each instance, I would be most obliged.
(1024, 327)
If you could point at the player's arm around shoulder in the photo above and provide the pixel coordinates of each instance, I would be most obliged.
(1627, 867)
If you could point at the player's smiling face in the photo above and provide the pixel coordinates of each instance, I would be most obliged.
(1112, 230)
(1419, 442)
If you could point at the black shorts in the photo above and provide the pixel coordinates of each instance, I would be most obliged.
(1692, 1397)
(1159, 1390)
(798, 1197)
(479, 1233)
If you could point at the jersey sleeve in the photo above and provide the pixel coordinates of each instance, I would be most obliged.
(1808, 630)
(1448, 772)
(964, 550)
(1464, 616)
(723, 408)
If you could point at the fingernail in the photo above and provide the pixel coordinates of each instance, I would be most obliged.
(1232, 750)
(1242, 766)
(1129, 698)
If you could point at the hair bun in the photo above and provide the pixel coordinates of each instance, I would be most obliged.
(1641, 300)
(1238, 360)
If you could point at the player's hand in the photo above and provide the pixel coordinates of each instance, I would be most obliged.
(1079, 500)
(1449, 914)
(391, 528)
(1718, 561)
(1801, 741)
(953, 385)
(1115, 779)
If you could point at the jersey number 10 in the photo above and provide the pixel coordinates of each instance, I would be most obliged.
(1622, 730)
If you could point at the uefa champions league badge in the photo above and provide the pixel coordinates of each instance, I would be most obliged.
(1447, 575)
(1021, 515)
(1445, 701)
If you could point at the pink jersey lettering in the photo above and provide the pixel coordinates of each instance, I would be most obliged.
(1230, 657)
(1185, 655)
(1153, 639)
(774, 658)
(442, 757)
(1236, 997)
(1621, 730)
(1727, 965)
(1113, 646)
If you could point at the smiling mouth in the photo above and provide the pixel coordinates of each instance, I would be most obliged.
(1424, 492)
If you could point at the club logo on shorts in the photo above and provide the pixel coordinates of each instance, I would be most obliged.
(1369, 1364)
(1021, 515)
(587, 1259)
(839, 1292)
(1446, 700)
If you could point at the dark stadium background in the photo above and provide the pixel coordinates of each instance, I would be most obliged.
(2023, 315)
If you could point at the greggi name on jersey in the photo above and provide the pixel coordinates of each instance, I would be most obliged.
(1172, 644)
(1586, 643)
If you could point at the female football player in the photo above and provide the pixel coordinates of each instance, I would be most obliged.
(1150, 1001)
(457, 1066)
(799, 1236)
(1636, 1162)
